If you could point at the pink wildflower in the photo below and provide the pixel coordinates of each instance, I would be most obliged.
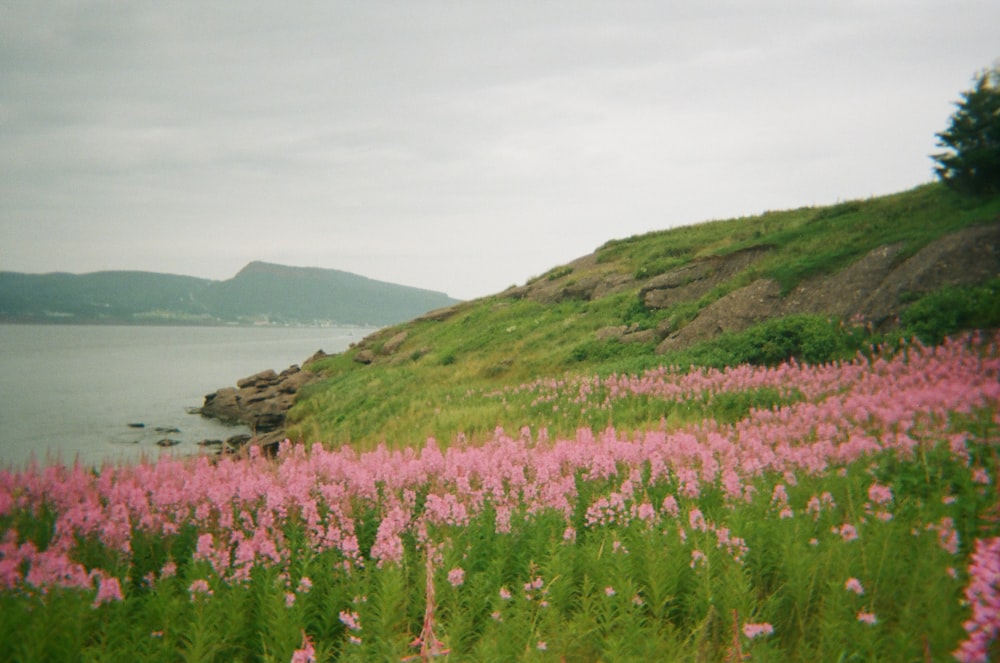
(983, 594)
(846, 531)
(306, 653)
(108, 590)
(669, 506)
(350, 619)
(854, 585)
(754, 630)
(504, 593)
(542, 645)
(880, 494)
(305, 584)
(697, 557)
(456, 577)
(289, 599)
(609, 591)
(199, 588)
(867, 618)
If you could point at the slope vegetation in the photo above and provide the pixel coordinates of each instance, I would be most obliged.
(815, 284)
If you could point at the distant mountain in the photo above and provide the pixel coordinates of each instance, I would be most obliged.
(260, 292)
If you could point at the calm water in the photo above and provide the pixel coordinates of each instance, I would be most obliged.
(71, 391)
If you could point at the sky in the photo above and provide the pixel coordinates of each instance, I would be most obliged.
(461, 146)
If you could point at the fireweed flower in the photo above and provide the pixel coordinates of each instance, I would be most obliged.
(504, 593)
(609, 591)
(456, 577)
(880, 494)
(846, 531)
(867, 618)
(199, 588)
(697, 557)
(306, 653)
(854, 585)
(350, 619)
(108, 591)
(983, 595)
(751, 631)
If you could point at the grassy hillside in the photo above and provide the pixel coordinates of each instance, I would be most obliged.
(459, 372)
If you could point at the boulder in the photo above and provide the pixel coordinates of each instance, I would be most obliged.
(260, 401)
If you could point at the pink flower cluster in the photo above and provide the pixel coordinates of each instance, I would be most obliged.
(240, 508)
(983, 594)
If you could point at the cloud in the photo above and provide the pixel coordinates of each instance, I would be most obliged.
(457, 146)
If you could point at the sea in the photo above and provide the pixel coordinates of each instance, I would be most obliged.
(98, 394)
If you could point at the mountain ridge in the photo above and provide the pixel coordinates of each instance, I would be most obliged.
(260, 292)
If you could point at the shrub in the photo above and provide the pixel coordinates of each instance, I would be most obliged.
(951, 310)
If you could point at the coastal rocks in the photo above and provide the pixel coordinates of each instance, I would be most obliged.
(260, 401)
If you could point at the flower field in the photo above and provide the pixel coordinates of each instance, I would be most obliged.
(854, 518)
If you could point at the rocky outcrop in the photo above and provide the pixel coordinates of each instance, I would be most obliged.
(696, 279)
(583, 279)
(874, 288)
(261, 401)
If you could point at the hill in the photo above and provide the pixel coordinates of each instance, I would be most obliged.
(816, 284)
(260, 292)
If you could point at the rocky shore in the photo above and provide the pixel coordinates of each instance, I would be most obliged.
(261, 401)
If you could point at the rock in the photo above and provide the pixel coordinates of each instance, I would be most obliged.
(260, 401)
(210, 443)
(319, 354)
(167, 442)
(238, 441)
(610, 333)
(390, 346)
(696, 279)
(733, 313)
(166, 430)
(366, 356)
(874, 288)
(137, 425)
(262, 379)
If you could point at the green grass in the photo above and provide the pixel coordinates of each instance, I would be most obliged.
(499, 342)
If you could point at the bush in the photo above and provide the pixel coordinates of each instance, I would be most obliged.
(811, 339)
(952, 310)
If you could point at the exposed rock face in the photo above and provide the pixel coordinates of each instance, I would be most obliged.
(735, 312)
(261, 401)
(582, 279)
(872, 288)
(696, 279)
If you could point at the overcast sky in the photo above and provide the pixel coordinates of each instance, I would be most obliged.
(459, 146)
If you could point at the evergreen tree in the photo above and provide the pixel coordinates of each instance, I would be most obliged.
(972, 163)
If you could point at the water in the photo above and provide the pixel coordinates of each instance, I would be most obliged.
(70, 391)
